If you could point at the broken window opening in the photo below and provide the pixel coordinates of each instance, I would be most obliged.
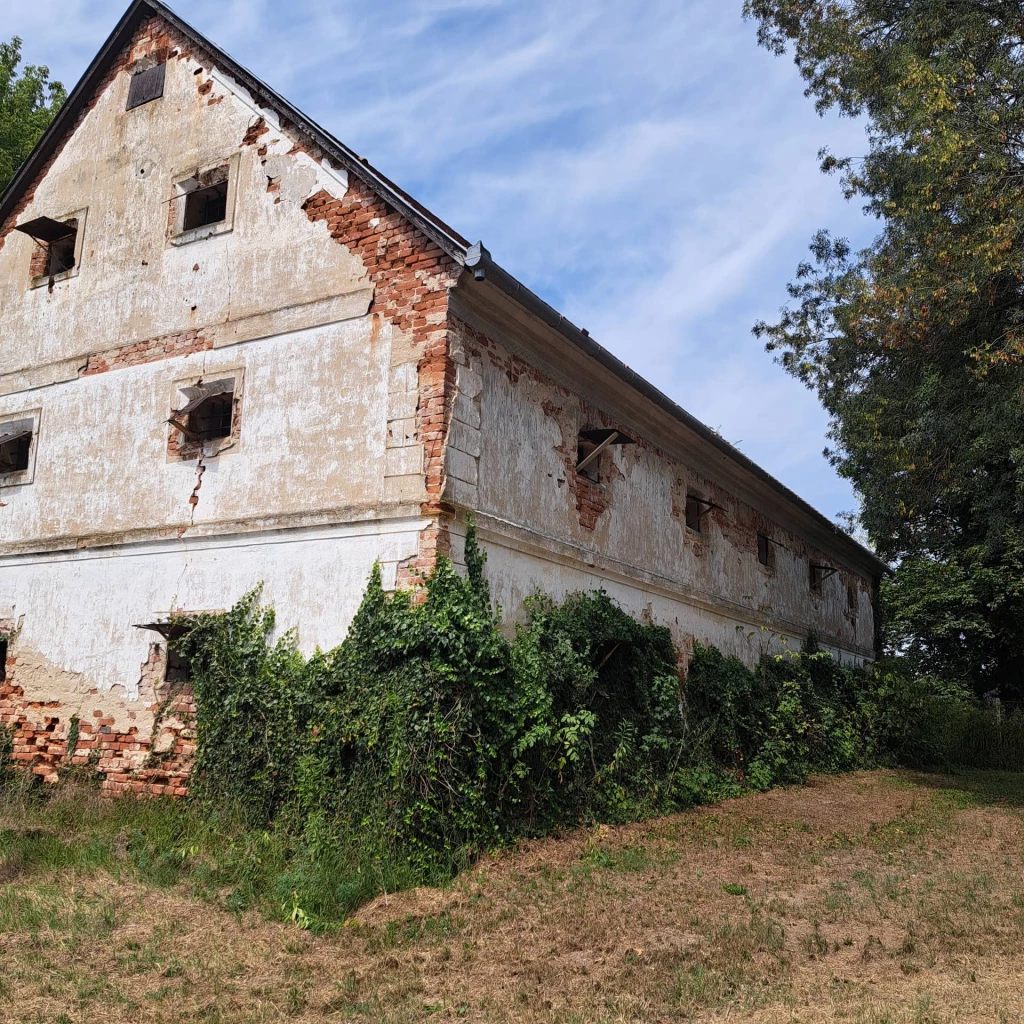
(57, 240)
(589, 448)
(146, 85)
(820, 573)
(209, 413)
(3, 661)
(766, 551)
(15, 448)
(696, 510)
(177, 667)
(205, 206)
(851, 596)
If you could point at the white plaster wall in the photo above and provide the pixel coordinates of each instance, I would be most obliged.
(77, 611)
(515, 467)
(515, 573)
(313, 432)
(132, 284)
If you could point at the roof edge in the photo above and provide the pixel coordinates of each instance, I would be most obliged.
(446, 238)
(478, 259)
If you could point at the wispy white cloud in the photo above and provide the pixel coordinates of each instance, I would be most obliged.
(643, 166)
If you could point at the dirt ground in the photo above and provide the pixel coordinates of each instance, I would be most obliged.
(872, 898)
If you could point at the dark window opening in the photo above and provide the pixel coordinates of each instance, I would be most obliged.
(204, 206)
(765, 551)
(61, 255)
(820, 573)
(56, 242)
(209, 413)
(3, 661)
(146, 85)
(179, 668)
(696, 510)
(590, 445)
(851, 596)
(211, 420)
(14, 451)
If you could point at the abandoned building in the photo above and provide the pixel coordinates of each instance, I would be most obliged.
(233, 352)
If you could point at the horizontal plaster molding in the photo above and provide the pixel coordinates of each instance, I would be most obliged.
(41, 376)
(522, 539)
(290, 319)
(272, 323)
(358, 520)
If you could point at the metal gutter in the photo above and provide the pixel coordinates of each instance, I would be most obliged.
(479, 260)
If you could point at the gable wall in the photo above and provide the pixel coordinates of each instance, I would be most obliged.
(329, 306)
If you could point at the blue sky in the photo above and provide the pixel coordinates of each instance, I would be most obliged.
(643, 166)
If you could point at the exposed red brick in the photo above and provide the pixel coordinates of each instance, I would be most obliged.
(167, 347)
(411, 277)
(122, 759)
(256, 129)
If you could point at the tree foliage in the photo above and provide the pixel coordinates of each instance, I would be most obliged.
(915, 344)
(28, 102)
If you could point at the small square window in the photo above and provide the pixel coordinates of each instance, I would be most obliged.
(590, 446)
(207, 418)
(18, 443)
(204, 206)
(765, 551)
(177, 668)
(202, 202)
(56, 245)
(146, 85)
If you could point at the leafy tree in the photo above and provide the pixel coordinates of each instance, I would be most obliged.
(915, 344)
(27, 104)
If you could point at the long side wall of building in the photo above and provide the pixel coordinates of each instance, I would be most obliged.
(511, 461)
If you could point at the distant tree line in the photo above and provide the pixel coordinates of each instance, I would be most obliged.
(28, 102)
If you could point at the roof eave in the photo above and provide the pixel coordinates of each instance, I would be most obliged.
(478, 259)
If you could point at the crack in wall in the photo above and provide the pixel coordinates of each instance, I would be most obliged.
(193, 499)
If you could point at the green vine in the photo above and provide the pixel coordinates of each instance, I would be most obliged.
(428, 735)
(71, 742)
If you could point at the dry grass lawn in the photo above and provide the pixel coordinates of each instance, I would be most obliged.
(879, 897)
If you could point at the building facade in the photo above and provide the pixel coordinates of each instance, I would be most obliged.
(233, 354)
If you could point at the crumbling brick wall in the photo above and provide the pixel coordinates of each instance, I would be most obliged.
(150, 753)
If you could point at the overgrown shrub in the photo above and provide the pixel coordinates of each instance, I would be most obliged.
(427, 735)
(6, 749)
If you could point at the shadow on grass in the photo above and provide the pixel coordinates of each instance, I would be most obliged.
(982, 788)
